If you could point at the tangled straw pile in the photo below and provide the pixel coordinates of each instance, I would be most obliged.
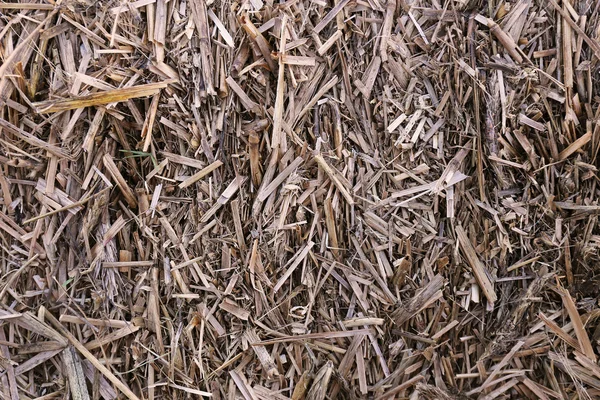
(299, 200)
